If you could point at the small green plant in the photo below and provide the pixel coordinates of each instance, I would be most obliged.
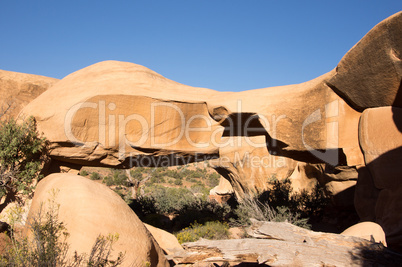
(95, 176)
(83, 173)
(213, 179)
(210, 230)
(178, 182)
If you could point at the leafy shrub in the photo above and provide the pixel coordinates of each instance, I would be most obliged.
(94, 176)
(118, 178)
(137, 174)
(20, 151)
(84, 173)
(108, 180)
(210, 230)
(178, 182)
(307, 204)
(169, 200)
(213, 179)
(199, 189)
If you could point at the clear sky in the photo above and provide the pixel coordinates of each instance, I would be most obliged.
(226, 45)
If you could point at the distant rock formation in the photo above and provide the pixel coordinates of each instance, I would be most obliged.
(18, 89)
(121, 115)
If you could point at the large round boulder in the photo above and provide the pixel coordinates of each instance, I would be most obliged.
(89, 209)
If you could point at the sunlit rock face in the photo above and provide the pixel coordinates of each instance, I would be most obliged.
(121, 115)
(89, 209)
(18, 89)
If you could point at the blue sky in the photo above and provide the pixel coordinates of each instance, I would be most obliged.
(226, 45)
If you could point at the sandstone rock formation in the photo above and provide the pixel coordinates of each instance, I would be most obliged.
(369, 75)
(165, 240)
(18, 89)
(89, 209)
(150, 120)
(121, 115)
(379, 188)
(367, 230)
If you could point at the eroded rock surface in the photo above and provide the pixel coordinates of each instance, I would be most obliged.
(369, 75)
(18, 89)
(378, 192)
(89, 209)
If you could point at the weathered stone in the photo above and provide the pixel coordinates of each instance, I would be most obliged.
(89, 209)
(381, 142)
(165, 240)
(18, 89)
(367, 230)
(283, 244)
(369, 75)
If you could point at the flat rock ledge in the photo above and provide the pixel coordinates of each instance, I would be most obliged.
(283, 244)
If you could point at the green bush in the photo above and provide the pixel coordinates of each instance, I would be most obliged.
(307, 204)
(95, 176)
(84, 173)
(213, 179)
(169, 200)
(20, 151)
(137, 174)
(120, 178)
(210, 230)
(178, 182)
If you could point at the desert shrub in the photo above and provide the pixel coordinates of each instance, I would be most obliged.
(120, 178)
(20, 151)
(199, 189)
(169, 200)
(213, 179)
(191, 180)
(197, 174)
(282, 204)
(108, 180)
(173, 174)
(48, 245)
(83, 173)
(250, 207)
(94, 176)
(201, 211)
(307, 204)
(210, 230)
(187, 208)
(178, 182)
(137, 174)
